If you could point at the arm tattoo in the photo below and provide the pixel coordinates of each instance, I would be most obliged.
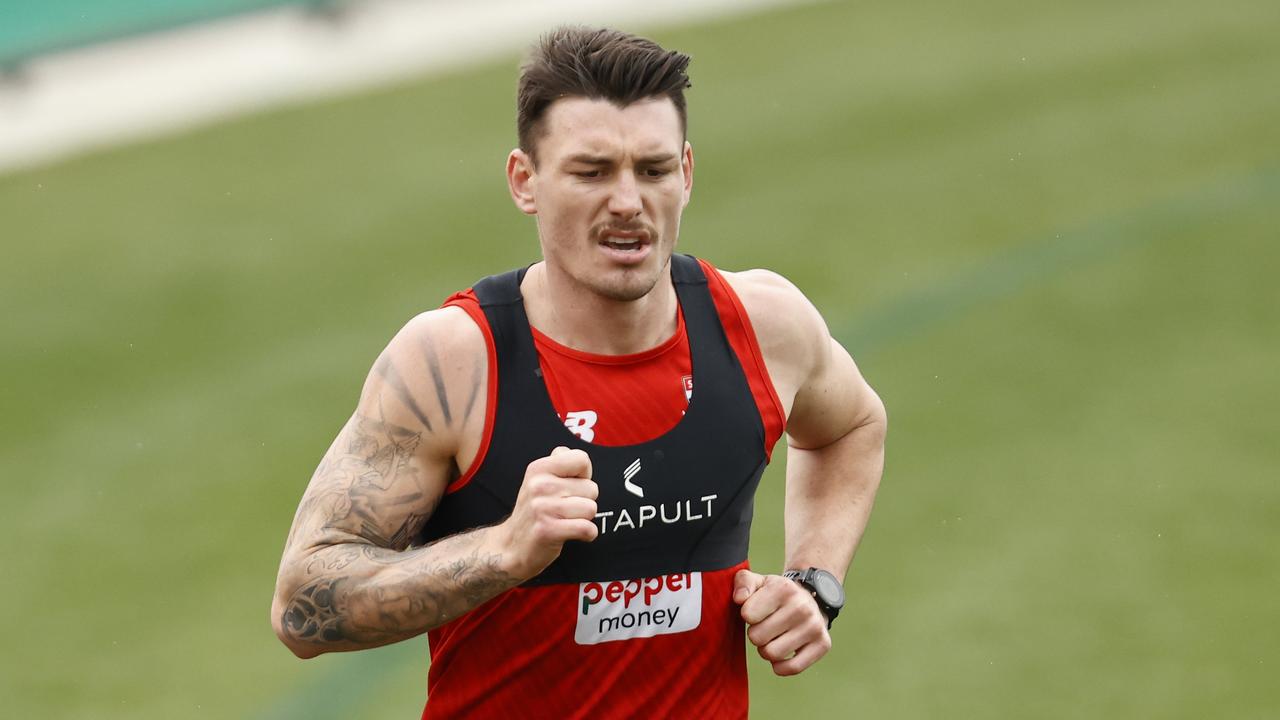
(433, 364)
(353, 583)
(387, 370)
(310, 614)
(362, 488)
(384, 596)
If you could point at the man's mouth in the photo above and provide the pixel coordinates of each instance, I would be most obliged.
(624, 240)
(623, 243)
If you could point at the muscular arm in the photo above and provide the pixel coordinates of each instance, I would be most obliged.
(835, 456)
(347, 579)
(835, 424)
(835, 437)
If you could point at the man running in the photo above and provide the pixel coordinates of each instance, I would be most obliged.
(552, 475)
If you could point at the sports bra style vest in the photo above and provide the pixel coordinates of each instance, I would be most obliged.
(679, 503)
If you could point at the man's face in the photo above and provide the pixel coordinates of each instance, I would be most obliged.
(608, 190)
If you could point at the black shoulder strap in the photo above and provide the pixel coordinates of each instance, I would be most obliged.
(685, 270)
(503, 305)
(501, 289)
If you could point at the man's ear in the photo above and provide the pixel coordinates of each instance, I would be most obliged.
(521, 181)
(686, 163)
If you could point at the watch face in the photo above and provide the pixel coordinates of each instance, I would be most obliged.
(828, 589)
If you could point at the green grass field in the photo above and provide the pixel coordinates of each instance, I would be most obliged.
(1046, 231)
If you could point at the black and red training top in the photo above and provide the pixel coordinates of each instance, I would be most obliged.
(639, 622)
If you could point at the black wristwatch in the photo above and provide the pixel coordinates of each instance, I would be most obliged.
(826, 589)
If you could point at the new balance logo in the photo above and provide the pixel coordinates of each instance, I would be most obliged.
(582, 423)
(629, 473)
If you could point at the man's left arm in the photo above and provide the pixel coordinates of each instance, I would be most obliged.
(835, 455)
(835, 430)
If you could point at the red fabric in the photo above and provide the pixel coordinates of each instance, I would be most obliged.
(516, 655)
(629, 399)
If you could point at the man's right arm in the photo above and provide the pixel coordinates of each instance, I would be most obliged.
(348, 579)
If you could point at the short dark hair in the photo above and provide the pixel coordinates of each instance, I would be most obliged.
(596, 63)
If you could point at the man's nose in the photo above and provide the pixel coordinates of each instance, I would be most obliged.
(625, 199)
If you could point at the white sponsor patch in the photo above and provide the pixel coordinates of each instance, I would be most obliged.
(625, 609)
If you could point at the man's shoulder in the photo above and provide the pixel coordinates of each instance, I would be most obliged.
(449, 330)
(428, 379)
(761, 284)
(779, 312)
(788, 329)
(433, 354)
(443, 346)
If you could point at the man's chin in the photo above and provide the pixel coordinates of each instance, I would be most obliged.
(630, 287)
(626, 292)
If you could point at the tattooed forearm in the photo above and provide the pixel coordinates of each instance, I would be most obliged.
(351, 576)
(367, 596)
(347, 580)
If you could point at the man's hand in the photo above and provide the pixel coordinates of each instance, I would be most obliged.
(556, 503)
(784, 621)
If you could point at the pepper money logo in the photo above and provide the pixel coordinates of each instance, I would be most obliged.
(643, 607)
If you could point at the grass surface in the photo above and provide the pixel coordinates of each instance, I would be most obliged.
(1047, 233)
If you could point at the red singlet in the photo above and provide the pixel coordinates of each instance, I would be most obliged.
(516, 655)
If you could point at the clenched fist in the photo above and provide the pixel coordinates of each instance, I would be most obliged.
(557, 503)
(784, 621)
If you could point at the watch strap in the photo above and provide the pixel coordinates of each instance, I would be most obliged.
(805, 578)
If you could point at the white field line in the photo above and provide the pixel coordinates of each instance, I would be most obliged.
(141, 87)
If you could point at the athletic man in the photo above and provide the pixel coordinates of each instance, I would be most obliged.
(553, 474)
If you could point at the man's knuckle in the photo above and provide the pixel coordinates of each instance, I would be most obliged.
(785, 669)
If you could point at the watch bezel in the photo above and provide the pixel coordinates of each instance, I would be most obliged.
(830, 606)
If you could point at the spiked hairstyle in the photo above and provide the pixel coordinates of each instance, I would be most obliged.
(596, 63)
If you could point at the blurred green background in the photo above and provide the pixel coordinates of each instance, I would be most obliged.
(1046, 231)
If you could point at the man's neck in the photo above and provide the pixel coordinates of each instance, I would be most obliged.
(584, 320)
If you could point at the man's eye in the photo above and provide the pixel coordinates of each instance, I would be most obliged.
(656, 172)
(588, 174)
